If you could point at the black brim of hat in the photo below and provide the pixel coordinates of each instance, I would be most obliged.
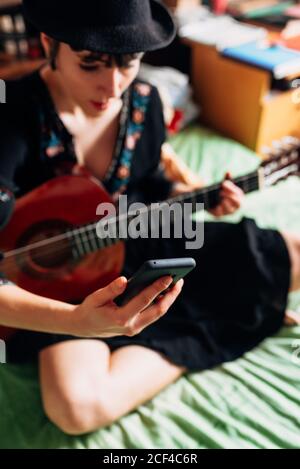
(128, 39)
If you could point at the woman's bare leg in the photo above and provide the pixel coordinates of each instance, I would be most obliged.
(292, 318)
(293, 244)
(85, 387)
(292, 241)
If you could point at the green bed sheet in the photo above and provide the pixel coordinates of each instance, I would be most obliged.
(253, 402)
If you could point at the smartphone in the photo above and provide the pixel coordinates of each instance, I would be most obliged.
(151, 271)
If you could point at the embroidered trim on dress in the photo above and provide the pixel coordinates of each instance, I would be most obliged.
(140, 102)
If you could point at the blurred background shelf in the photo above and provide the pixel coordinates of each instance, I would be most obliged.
(16, 69)
(20, 48)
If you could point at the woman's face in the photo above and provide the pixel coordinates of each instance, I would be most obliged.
(92, 81)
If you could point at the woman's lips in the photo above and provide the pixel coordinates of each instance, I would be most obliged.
(99, 106)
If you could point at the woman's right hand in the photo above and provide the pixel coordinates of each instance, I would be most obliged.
(99, 316)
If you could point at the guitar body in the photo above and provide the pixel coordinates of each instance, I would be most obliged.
(57, 207)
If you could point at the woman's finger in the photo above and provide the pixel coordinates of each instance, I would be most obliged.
(235, 194)
(109, 293)
(233, 200)
(229, 207)
(146, 297)
(157, 310)
(230, 187)
(217, 211)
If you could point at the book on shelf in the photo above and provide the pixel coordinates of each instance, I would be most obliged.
(277, 9)
(293, 11)
(278, 60)
(221, 32)
(241, 7)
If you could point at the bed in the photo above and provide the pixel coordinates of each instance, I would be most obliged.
(253, 402)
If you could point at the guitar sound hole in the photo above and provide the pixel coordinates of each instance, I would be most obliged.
(47, 256)
(44, 257)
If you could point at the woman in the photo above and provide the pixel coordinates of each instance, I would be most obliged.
(86, 103)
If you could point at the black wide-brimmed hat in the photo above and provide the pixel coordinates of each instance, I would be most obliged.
(109, 26)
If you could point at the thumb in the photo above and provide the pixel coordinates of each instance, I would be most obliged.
(110, 292)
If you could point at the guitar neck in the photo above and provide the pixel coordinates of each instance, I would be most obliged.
(210, 196)
(86, 239)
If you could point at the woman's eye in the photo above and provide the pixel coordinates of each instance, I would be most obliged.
(94, 68)
(89, 68)
(128, 66)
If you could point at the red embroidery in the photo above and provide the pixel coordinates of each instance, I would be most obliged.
(123, 172)
(54, 151)
(131, 142)
(143, 89)
(138, 116)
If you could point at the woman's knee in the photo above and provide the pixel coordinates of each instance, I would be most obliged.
(293, 245)
(76, 413)
(74, 383)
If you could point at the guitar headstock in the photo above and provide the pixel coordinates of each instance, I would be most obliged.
(283, 160)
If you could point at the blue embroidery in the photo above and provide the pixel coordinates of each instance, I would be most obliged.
(133, 134)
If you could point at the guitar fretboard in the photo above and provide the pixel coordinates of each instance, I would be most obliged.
(210, 196)
(85, 239)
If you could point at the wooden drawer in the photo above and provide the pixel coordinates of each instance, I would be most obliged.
(280, 116)
(232, 96)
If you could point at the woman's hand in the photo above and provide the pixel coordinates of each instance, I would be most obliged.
(231, 198)
(183, 188)
(99, 316)
(186, 181)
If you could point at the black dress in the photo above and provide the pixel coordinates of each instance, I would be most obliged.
(236, 296)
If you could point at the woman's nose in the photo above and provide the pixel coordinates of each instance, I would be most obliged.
(111, 82)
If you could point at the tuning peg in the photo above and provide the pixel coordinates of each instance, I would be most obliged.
(266, 151)
(291, 142)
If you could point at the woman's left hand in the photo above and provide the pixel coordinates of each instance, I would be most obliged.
(186, 181)
(232, 198)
